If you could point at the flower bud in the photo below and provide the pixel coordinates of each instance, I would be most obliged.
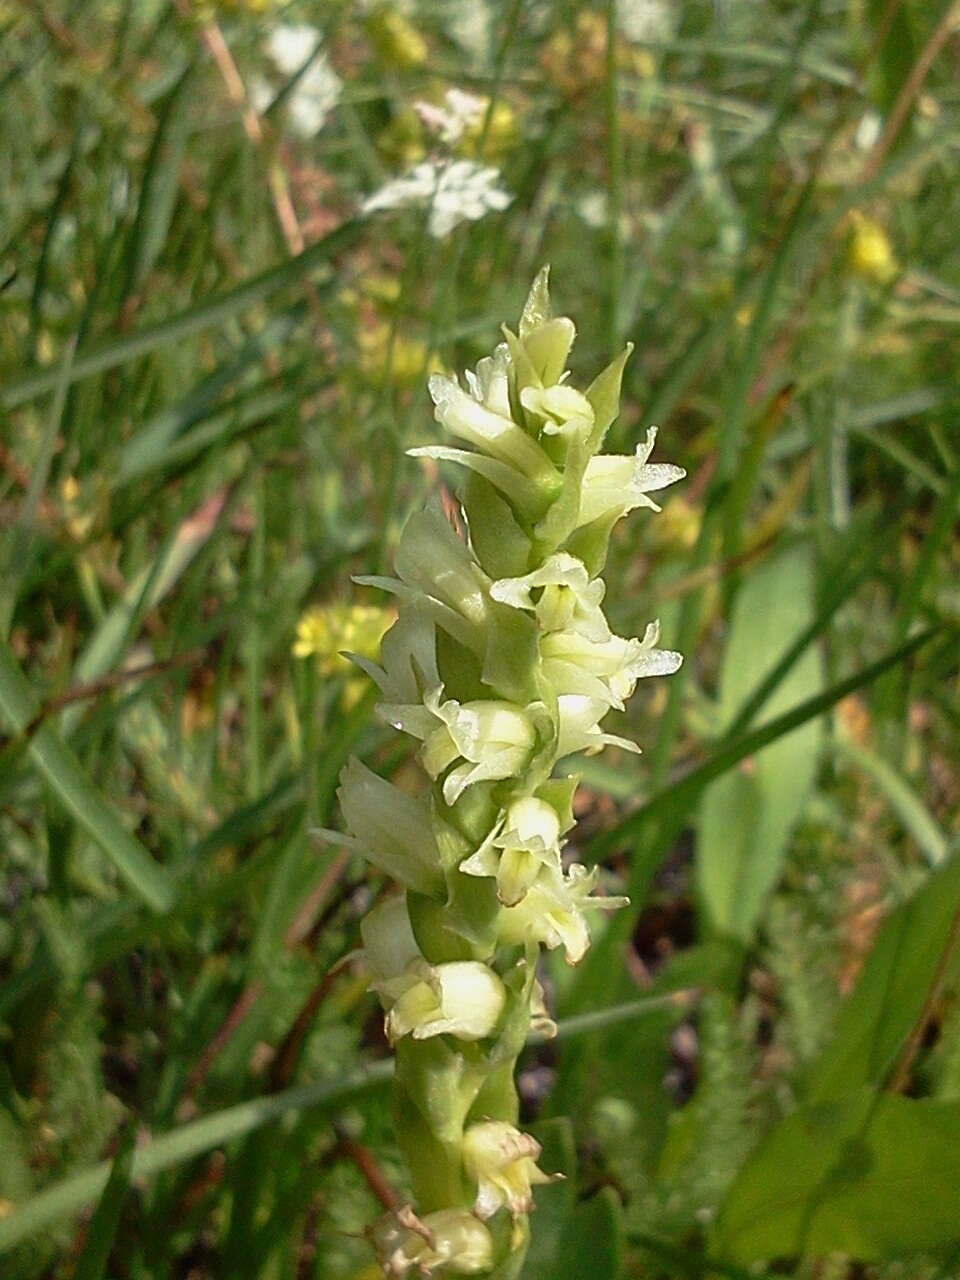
(453, 1239)
(463, 998)
(492, 433)
(563, 410)
(502, 1161)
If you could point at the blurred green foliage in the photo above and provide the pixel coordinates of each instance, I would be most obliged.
(212, 365)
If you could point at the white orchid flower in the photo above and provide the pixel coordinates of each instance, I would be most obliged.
(561, 594)
(515, 851)
(615, 484)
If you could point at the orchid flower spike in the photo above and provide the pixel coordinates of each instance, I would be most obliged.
(500, 665)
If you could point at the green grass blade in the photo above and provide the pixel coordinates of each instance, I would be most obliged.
(903, 800)
(154, 444)
(64, 774)
(199, 1136)
(682, 795)
(102, 1230)
(19, 541)
(160, 182)
(944, 521)
(69, 1196)
(203, 315)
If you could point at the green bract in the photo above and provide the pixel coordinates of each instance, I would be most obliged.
(501, 663)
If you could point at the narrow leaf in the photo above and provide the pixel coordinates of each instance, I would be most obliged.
(64, 774)
(203, 315)
(873, 1025)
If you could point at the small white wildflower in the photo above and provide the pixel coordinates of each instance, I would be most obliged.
(260, 94)
(290, 45)
(317, 90)
(314, 96)
(642, 20)
(493, 739)
(609, 669)
(462, 111)
(578, 726)
(614, 484)
(468, 23)
(593, 208)
(515, 850)
(568, 600)
(455, 191)
(552, 911)
(868, 130)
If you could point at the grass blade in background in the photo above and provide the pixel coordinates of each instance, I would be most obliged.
(905, 803)
(102, 1228)
(902, 972)
(209, 1132)
(77, 793)
(203, 315)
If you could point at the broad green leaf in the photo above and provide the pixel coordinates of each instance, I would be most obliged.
(874, 1023)
(872, 1175)
(747, 815)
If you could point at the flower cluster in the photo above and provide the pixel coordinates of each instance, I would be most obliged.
(294, 49)
(500, 664)
(453, 191)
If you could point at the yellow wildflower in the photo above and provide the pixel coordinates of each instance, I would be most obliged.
(326, 631)
(401, 359)
(397, 41)
(869, 251)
